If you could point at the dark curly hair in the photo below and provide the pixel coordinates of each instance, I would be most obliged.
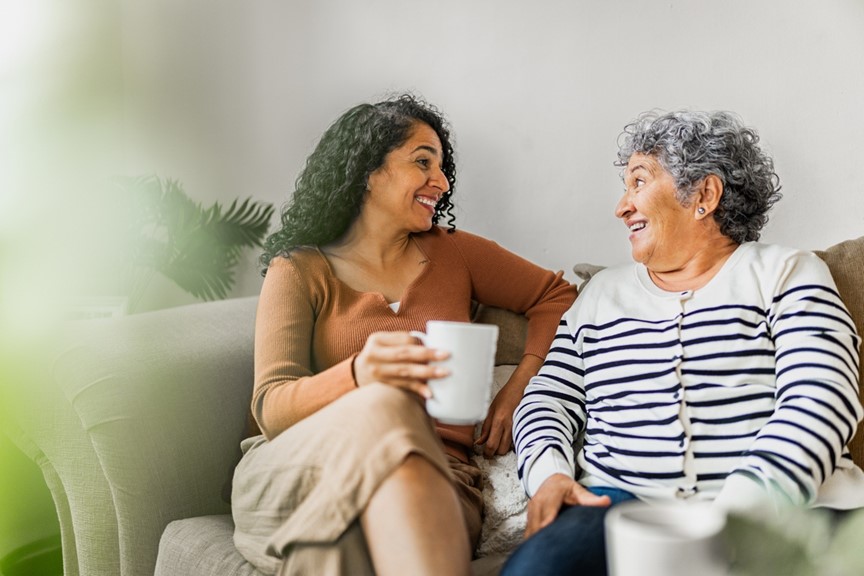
(330, 190)
(693, 145)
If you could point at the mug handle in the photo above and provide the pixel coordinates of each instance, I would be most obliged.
(419, 335)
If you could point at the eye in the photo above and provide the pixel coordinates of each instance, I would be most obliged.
(639, 182)
(424, 162)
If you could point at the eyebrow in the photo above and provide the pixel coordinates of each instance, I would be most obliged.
(430, 149)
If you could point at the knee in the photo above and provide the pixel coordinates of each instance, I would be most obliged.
(381, 409)
(573, 544)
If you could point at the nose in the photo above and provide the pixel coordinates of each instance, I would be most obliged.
(624, 206)
(438, 179)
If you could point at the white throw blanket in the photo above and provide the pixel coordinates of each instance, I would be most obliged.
(504, 498)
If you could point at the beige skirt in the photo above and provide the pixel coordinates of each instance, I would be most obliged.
(296, 499)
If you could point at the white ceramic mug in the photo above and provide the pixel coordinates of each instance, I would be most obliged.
(665, 540)
(463, 397)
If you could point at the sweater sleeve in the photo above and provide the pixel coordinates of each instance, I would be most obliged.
(503, 279)
(817, 407)
(286, 388)
(551, 414)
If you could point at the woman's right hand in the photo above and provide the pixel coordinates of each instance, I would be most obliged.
(398, 359)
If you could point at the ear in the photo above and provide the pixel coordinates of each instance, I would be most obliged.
(708, 197)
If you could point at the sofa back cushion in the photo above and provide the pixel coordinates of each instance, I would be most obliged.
(846, 262)
(512, 331)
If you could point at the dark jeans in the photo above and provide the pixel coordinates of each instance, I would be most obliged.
(574, 543)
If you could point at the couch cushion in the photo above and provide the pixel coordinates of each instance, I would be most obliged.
(846, 262)
(204, 546)
(201, 546)
(513, 328)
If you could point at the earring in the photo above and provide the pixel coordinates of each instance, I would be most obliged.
(700, 210)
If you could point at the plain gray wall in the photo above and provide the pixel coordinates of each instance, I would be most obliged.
(230, 97)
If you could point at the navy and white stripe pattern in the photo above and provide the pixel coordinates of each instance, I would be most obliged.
(669, 393)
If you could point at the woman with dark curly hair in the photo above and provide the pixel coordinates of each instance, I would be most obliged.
(351, 476)
(714, 369)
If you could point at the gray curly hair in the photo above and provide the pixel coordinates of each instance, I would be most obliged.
(693, 145)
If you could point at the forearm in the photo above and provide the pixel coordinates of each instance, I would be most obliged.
(801, 444)
(527, 368)
(279, 403)
(817, 407)
(550, 415)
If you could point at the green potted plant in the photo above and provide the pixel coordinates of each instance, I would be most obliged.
(196, 247)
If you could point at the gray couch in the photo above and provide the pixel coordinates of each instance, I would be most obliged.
(136, 428)
(137, 425)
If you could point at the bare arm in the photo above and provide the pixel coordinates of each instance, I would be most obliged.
(497, 431)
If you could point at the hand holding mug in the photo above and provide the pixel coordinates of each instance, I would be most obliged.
(396, 359)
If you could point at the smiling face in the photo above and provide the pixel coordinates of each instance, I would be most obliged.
(404, 191)
(662, 231)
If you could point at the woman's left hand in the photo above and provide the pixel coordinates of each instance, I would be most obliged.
(496, 435)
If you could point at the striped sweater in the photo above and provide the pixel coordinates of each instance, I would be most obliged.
(673, 394)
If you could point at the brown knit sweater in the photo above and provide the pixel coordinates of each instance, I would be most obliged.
(310, 325)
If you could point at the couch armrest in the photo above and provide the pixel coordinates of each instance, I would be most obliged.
(163, 397)
(39, 419)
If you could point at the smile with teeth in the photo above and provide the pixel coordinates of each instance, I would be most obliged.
(637, 226)
(426, 201)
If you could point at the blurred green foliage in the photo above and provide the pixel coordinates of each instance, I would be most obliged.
(197, 248)
(797, 542)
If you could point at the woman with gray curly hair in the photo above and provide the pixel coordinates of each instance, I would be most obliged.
(715, 368)
(693, 145)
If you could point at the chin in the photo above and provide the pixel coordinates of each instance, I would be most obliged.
(423, 228)
(642, 260)
(640, 254)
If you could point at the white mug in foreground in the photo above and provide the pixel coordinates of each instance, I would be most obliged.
(463, 397)
(665, 540)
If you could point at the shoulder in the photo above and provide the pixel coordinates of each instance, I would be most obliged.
(611, 278)
(301, 263)
(441, 242)
(301, 275)
(783, 261)
(776, 274)
(771, 252)
(613, 273)
(604, 291)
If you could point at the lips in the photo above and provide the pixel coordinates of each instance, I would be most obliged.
(636, 226)
(427, 201)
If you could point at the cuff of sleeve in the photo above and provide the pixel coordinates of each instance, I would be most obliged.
(549, 463)
(351, 360)
(741, 494)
